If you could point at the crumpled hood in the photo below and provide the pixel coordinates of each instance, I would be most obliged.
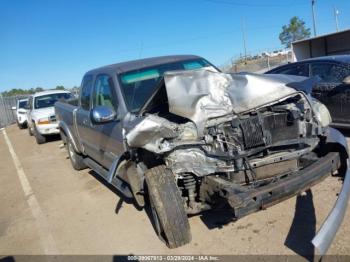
(203, 94)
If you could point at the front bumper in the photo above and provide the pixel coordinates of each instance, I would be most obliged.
(48, 129)
(245, 201)
(22, 119)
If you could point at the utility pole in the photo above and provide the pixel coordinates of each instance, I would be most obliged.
(244, 40)
(313, 15)
(336, 13)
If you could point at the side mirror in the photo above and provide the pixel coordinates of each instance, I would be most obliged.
(103, 114)
(346, 80)
(13, 108)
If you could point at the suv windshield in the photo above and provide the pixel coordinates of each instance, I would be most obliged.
(139, 85)
(49, 100)
(22, 104)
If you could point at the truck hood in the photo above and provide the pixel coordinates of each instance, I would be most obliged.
(43, 112)
(204, 94)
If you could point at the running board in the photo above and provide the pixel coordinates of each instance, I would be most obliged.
(116, 182)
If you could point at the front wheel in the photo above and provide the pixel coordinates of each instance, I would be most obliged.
(30, 130)
(168, 211)
(40, 139)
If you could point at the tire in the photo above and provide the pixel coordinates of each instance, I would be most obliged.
(76, 160)
(168, 211)
(40, 139)
(30, 131)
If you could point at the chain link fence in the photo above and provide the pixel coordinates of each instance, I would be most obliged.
(258, 64)
(7, 114)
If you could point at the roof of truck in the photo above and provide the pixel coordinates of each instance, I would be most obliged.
(48, 92)
(141, 63)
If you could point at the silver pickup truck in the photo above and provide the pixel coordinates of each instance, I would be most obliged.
(177, 133)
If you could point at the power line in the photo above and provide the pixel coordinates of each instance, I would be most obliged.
(313, 15)
(336, 13)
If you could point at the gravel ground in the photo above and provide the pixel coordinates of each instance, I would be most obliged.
(79, 214)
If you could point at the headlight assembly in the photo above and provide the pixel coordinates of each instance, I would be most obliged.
(322, 113)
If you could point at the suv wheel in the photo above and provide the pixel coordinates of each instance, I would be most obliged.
(169, 216)
(30, 131)
(40, 139)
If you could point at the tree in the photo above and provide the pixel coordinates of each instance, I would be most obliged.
(59, 88)
(38, 89)
(296, 30)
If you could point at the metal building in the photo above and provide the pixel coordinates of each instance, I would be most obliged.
(337, 43)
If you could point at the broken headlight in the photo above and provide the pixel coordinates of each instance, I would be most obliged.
(321, 112)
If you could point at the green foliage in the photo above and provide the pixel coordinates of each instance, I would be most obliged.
(19, 91)
(294, 31)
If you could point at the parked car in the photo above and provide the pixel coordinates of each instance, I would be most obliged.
(177, 132)
(41, 113)
(333, 90)
(21, 112)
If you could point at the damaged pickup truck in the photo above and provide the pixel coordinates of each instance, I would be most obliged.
(177, 133)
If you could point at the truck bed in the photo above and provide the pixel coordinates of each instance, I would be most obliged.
(64, 115)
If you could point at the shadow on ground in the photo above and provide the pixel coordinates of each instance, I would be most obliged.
(303, 227)
(52, 138)
(300, 234)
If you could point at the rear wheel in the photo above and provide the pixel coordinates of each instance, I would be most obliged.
(40, 139)
(76, 159)
(168, 211)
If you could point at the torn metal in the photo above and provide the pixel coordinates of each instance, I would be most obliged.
(200, 95)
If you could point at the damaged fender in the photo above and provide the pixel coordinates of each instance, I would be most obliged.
(330, 226)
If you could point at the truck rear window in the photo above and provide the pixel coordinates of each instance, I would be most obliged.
(139, 85)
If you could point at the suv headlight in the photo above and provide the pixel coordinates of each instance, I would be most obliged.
(322, 113)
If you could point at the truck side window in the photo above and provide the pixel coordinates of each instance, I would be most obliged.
(103, 94)
(86, 88)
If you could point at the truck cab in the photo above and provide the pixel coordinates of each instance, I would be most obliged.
(118, 93)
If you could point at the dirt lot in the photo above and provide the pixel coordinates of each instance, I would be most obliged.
(63, 211)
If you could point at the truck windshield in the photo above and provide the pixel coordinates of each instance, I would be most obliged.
(50, 100)
(139, 85)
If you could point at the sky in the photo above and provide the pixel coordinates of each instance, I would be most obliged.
(45, 43)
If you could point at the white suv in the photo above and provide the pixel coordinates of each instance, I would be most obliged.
(41, 113)
(21, 112)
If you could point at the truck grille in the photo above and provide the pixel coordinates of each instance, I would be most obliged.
(252, 132)
(267, 129)
(52, 118)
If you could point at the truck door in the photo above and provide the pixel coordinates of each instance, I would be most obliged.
(108, 136)
(83, 119)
